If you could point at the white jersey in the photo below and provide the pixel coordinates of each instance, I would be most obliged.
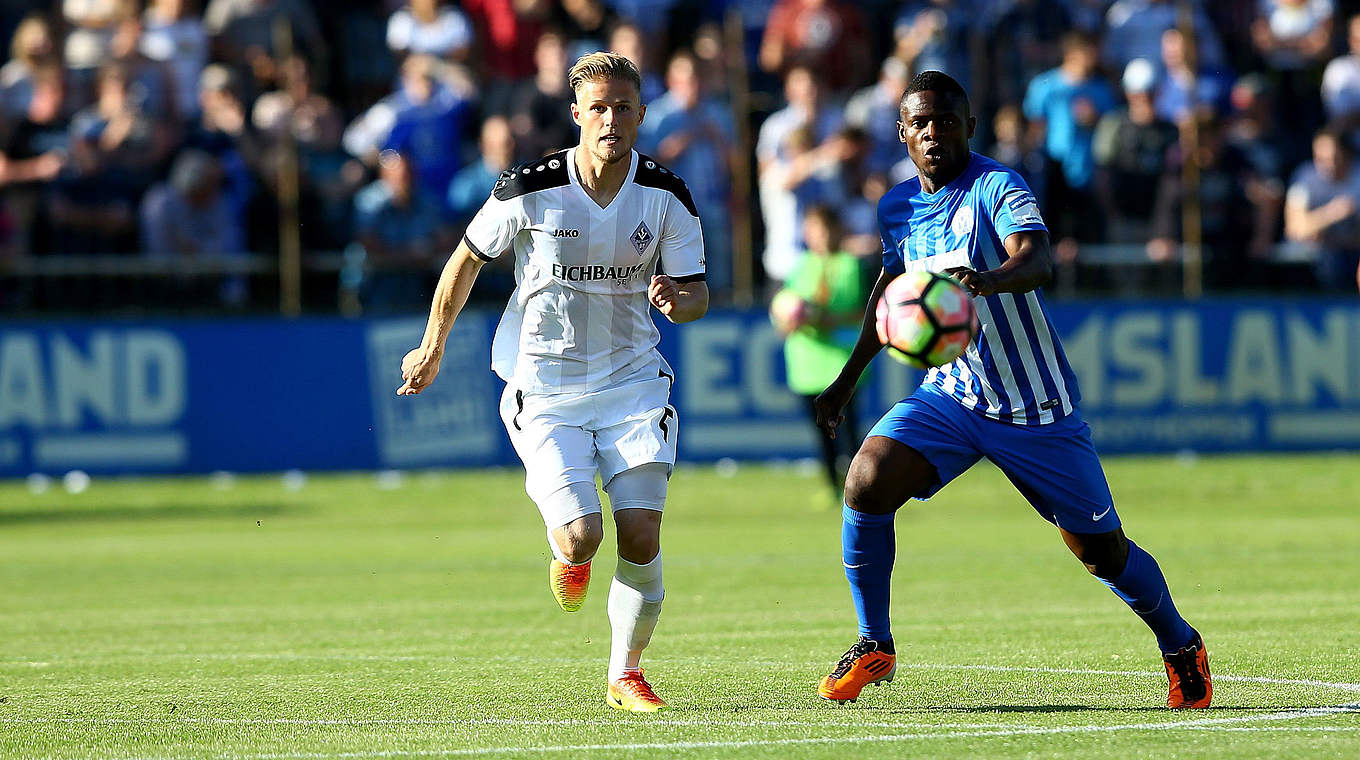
(579, 319)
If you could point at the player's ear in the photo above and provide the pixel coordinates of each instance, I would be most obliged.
(901, 131)
(642, 112)
(575, 114)
(972, 126)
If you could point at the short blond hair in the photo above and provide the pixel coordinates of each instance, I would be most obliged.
(601, 65)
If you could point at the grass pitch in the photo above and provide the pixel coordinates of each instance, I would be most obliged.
(178, 618)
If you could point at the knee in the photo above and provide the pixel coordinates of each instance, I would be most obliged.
(579, 540)
(639, 535)
(872, 490)
(1104, 555)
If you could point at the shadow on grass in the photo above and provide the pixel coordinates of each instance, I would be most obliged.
(118, 513)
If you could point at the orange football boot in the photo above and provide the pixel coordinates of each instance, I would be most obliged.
(634, 694)
(862, 665)
(569, 584)
(1188, 671)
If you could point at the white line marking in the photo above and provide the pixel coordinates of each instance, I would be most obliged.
(1343, 686)
(860, 739)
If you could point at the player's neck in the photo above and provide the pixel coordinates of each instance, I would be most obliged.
(601, 180)
(937, 183)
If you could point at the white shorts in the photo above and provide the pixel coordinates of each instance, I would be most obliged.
(566, 438)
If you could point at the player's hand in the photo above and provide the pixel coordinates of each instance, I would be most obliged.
(418, 370)
(829, 404)
(663, 293)
(975, 282)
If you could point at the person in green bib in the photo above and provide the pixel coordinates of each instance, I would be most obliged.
(818, 312)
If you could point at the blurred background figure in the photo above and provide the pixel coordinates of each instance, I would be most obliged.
(1322, 209)
(173, 35)
(1132, 149)
(828, 36)
(934, 34)
(430, 27)
(692, 134)
(830, 285)
(190, 215)
(540, 115)
(34, 47)
(403, 234)
(1064, 105)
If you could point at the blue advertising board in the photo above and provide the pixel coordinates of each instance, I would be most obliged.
(261, 395)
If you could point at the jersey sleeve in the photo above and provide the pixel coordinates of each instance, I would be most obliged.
(682, 243)
(495, 226)
(1013, 207)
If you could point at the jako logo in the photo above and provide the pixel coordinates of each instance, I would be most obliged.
(566, 233)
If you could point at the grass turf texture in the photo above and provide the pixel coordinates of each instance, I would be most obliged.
(171, 619)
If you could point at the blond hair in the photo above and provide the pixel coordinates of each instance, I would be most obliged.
(601, 65)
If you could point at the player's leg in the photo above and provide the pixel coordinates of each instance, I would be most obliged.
(913, 451)
(635, 451)
(1057, 470)
(559, 475)
(637, 497)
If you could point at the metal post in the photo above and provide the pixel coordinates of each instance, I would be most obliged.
(1192, 231)
(290, 227)
(743, 244)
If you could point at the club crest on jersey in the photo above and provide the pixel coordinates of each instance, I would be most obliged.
(641, 237)
(962, 223)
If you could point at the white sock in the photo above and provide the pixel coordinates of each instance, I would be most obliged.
(634, 605)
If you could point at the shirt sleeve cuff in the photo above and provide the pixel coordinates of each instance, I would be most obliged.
(476, 252)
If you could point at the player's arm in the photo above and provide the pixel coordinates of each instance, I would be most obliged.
(680, 300)
(1029, 266)
(419, 367)
(830, 402)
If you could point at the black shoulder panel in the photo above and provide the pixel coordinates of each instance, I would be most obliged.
(651, 174)
(533, 176)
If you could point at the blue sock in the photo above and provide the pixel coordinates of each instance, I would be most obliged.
(1143, 588)
(867, 549)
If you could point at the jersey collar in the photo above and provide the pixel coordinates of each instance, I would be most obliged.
(576, 179)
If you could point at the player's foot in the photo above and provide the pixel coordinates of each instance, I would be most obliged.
(634, 694)
(569, 584)
(1188, 671)
(862, 665)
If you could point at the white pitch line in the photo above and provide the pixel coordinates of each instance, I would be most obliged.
(1354, 687)
(1000, 732)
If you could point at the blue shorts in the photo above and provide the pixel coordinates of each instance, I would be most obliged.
(1054, 466)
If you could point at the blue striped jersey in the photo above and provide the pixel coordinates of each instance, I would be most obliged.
(1015, 371)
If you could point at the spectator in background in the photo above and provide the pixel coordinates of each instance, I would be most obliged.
(541, 115)
(506, 32)
(1013, 148)
(874, 109)
(174, 36)
(34, 46)
(933, 35)
(244, 35)
(223, 130)
(296, 117)
(91, 25)
(1024, 41)
(586, 24)
(1254, 128)
(692, 134)
(831, 283)
(1322, 209)
(827, 35)
(1236, 228)
(402, 232)
(1064, 105)
(1293, 35)
(711, 56)
(424, 120)
(474, 182)
(627, 40)
(117, 150)
(1341, 81)
(35, 150)
(152, 83)
(429, 27)
(1184, 92)
(190, 215)
(1134, 28)
(1132, 147)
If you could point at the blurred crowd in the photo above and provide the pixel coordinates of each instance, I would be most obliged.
(165, 130)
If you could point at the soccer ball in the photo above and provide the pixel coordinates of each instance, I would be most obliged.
(926, 319)
(788, 311)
